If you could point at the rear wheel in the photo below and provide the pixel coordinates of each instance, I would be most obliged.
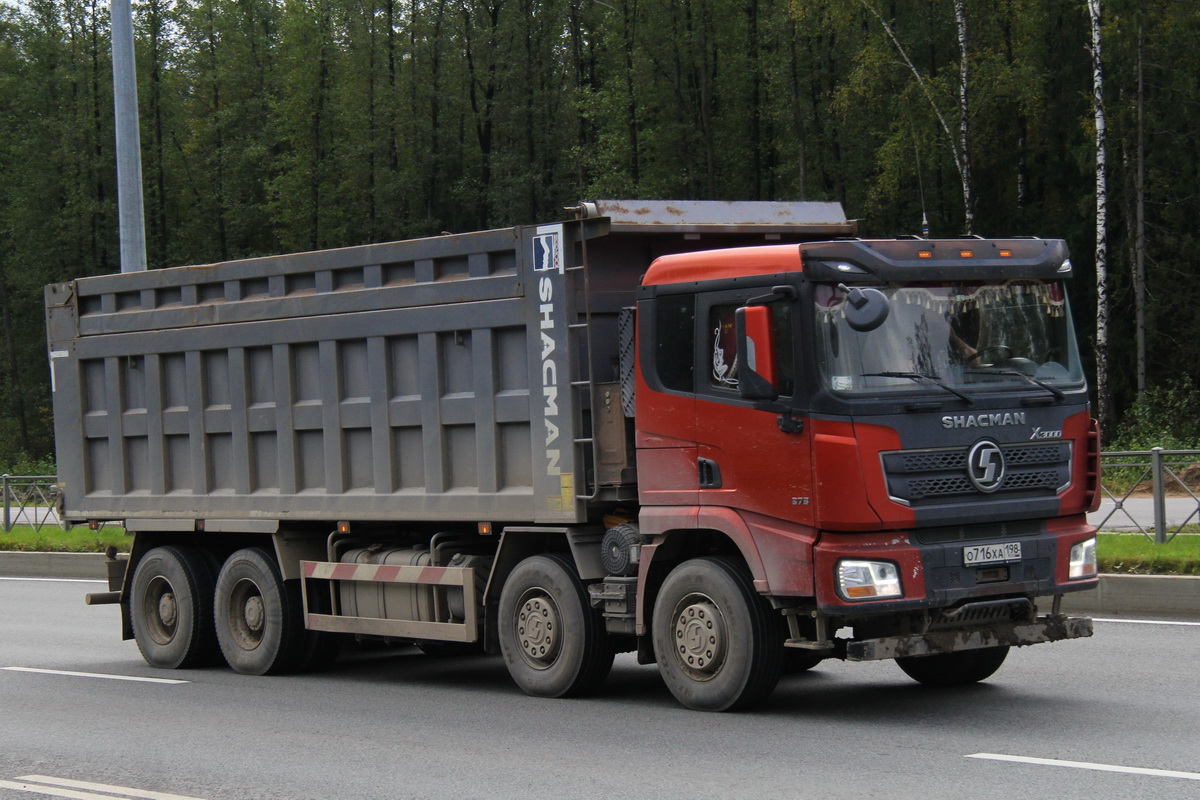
(717, 646)
(954, 669)
(171, 608)
(554, 643)
(258, 620)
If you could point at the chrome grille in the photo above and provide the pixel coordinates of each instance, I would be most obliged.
(922, 462)
(939, 475)
(1032, 480)
(924, 488)
(1040, 454)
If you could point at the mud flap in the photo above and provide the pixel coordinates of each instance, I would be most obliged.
(1050, 628)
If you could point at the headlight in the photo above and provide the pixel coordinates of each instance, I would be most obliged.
(1083, 559)
(868, 580)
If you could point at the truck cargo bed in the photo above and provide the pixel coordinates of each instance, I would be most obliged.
(446, 378)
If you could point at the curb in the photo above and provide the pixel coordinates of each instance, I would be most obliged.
(1163, 595)
(53, 565)
(1156, 595)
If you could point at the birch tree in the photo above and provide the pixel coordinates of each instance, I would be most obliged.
(1139, 234)
(964, 119)
(960, 149)
(1103, 400)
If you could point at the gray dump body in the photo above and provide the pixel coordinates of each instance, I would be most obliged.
(433, 379)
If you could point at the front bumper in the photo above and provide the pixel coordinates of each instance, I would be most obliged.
(931, 565)
(1049, 628)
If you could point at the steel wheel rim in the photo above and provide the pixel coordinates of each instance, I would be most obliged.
(538, 629)
(160, 610)
(699, 637)
(246, 614)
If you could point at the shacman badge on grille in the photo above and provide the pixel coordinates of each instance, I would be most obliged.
(985, 465)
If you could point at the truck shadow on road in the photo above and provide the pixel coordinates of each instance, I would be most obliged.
(833, 692)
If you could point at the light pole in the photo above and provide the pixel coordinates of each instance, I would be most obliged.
(129, 150)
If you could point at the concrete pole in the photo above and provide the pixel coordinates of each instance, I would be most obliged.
(129, 148)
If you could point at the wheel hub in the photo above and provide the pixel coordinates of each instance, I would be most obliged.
(700, 637)
(246, 614)
(160, 610)
(537, 630)
(254, 613)
(168, 610)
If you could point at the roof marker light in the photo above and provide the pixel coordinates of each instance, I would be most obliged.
(1006, 253)
(966, 254)
(924, 254)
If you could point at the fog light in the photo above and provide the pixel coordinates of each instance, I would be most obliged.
(868, 580)
(1083, 559)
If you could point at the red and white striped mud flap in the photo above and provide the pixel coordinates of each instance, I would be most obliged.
(461, 577)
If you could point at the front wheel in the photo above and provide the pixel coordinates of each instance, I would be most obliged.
(714, 637)
(954, 669)
(554, 643)
(796, 660)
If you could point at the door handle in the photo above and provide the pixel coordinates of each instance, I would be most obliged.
(710, 473)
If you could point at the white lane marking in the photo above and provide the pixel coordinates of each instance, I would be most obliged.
(71, 674)
(56, 580)
(1148, 621)
(122, 791)
(53, 792)
(1054, 762)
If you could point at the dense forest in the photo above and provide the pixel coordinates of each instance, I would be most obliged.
(280, 125)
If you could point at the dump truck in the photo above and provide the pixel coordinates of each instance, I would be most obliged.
(732, 438)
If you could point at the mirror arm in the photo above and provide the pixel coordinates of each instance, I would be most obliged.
(789, 423)
(782, 292)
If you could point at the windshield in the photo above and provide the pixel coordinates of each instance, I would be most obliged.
(959, 334)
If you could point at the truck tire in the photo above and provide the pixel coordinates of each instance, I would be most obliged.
(797, 660)
(258, 620)
(554, 643)
(715, 641)
(171, 608)
(954, 669)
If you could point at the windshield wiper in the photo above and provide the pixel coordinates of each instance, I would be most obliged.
(919, 376)
(1058, 395)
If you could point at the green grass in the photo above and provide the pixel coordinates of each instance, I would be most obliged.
(55, 540)
(1138, 555)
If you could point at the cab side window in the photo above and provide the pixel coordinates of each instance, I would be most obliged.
(722, 346)
(674, 337)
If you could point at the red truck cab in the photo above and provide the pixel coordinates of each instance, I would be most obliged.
(893, 435)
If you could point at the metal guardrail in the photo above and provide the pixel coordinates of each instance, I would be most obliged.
(1162, 470)
(30, 500)
(33, 499)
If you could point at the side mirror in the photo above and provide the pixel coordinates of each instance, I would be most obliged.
(866, 309)
(756, 352)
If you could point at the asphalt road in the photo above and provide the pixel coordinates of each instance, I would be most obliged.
(398, 724)
(1138, 513)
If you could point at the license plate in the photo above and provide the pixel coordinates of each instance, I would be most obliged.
(980, 554)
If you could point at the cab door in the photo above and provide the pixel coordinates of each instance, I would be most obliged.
(751, 456)
(666, 401)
